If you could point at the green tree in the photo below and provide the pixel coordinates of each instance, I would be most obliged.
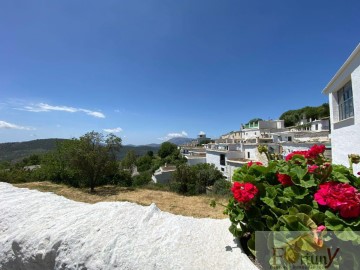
(167, 149)
(205, 175)
(142, 179)
(144, 163)
(57, 165)
(255, 120)
(95, 157)
(183, 180)
(192, 180)
(129, 161)
(292, 117)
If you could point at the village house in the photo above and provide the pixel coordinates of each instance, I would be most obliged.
(163, 174)
(344, 100)
(234, 149)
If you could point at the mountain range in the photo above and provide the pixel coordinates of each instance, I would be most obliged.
(16, 151)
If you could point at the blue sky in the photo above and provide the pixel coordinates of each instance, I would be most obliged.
(149, 70)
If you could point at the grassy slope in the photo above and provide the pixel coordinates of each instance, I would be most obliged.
(196, 206)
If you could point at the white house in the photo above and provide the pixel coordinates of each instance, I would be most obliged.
(344, 100)
(163, 174)
(219, 154)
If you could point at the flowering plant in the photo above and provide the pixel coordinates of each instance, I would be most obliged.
(304, 192)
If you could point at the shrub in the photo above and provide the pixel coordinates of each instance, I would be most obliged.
(142, 179)
(222, 188)
(123, 178)
(194, 180)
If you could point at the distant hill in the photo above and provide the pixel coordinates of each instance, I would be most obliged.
(16, 151)
(292, 117)
(180, 140)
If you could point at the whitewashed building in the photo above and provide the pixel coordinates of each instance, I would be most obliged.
(163, 174)
(344, 100)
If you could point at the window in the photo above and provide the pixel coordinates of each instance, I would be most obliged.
(289, 139)
(345, 101)
(316, 127)
(248, 154)
(222, 159)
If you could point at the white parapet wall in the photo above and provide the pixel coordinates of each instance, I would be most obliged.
(41, 231)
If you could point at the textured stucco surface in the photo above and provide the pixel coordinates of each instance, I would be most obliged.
(45, 231)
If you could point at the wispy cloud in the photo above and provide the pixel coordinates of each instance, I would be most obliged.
(171, 135)
(113, 130)
(43, 107)
(6, 125)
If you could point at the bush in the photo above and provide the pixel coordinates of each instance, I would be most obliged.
(142, 179)
(194, 180)
(222, 188)
(122, 178)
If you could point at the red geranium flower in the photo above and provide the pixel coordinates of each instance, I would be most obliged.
(339, 197)
(312, 168)
(290, 156)
(244, 192)
(250, 163)
(315, 151)
(284, 179)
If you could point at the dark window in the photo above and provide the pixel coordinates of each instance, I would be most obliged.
(222, 169)
(222, 159)
(316, 127)
(248, 154)
(345, 101)
(289, 139)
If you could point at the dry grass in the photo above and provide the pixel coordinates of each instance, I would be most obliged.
(196, 206)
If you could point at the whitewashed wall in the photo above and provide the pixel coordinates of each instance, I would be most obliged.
(346, 140)
(193, 161)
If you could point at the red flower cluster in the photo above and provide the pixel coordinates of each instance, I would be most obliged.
(284, 179)
(250, 163)
(315, 151)
(312, 168)
(244, 192)
(290, 156)
(312, 153)
(339, 197)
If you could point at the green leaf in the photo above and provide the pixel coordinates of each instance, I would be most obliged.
(293, 211)
(304, 208)
(240, 216)
(269, 202)
(296, 192)
(298, 171)
(308, 183)
(270, 192)
(237, 232)
(340, 177)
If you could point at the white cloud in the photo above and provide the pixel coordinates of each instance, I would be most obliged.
(202, 133)
(6, 125)
(169, 136)
(43, 107)
(113, 130)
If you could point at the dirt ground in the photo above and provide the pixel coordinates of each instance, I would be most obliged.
(195, 206)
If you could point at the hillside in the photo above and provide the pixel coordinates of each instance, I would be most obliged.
(16, 151)
(292, 117)
(180, 140)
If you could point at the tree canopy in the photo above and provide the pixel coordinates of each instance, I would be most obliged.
(167, 149)
(292, 117)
